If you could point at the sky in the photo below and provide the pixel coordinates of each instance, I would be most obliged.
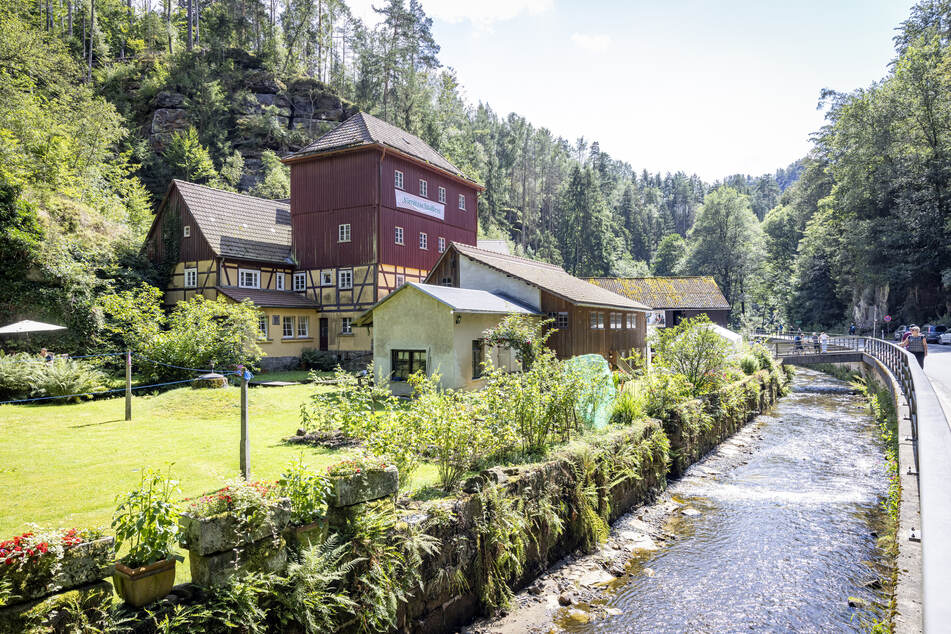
(712, 88)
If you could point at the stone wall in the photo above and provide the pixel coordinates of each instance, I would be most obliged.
(440, 608)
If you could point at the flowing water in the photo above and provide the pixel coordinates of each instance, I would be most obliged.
(783, 541)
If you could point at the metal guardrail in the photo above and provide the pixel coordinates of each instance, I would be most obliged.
(932, 436)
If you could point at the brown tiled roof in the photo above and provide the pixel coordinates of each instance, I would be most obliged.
(667, 292)
(550, 278)
(267, 298)
(240, 226)
(365, 129)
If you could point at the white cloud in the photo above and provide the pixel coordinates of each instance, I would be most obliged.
(591, 42)
(481, 14)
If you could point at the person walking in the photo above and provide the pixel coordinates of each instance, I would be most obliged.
(916, 344)
(824, 342)
(907, 333)
(815, 342)
(852, 330)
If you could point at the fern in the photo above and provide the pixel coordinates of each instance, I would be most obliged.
(316, 598)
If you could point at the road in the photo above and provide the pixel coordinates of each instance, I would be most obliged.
(938, 370)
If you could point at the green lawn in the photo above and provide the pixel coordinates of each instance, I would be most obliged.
(62, 465)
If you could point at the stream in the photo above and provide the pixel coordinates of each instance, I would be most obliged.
(781, 542)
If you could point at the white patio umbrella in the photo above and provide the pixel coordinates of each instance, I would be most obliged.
(29, 326)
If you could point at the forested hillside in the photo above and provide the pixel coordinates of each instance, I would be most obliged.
(103, 101)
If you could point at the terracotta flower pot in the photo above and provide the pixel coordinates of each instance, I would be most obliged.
(141, 586)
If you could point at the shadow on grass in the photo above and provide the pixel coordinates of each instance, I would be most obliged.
(430, 493)
(105, 422)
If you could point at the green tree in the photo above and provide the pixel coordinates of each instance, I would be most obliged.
(188, 159)
(669, 256)
(275, 179)
(726, 242)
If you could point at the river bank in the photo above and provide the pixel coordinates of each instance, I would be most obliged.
(775, 528)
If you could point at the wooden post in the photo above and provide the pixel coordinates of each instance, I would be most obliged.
(245, 443)
(128, 385)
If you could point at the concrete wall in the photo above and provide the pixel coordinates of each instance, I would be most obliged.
(477, 275)
(413, 320)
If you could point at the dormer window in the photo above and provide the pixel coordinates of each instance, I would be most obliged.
(423, 188)
(398, 179)
(249, 278)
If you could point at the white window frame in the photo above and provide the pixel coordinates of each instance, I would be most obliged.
(326, 278)
(262, 326)
(279, 280)
(462, 202)
(398, 235)
(254, 273)
(287, 324)
(346, 325)
(345, 279)
(423, 188)
(343, 232)
(442, 244)
(442, 195)
(192, 273)
(400, 280)
(300, 282)
(303, 320)
(423, 241)
(398, 179)
(631, 321)
(187, 231)
(446, 281)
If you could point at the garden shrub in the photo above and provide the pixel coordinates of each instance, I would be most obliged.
(63, 377)
(320, 360)
(693, 350)
(629, 404)
(197, 333)
(749, 364)
(17, 375)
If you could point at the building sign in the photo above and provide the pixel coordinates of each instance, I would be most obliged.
(420, 205)
(657, 318)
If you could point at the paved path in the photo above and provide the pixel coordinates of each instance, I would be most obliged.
(938, 370)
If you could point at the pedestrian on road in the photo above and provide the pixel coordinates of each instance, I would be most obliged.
(824, 342)
(815, 342)
(907, 332)
(917, 345)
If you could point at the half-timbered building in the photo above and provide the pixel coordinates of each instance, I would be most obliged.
(222, 244)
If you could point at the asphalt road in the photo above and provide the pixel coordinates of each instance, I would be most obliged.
(938, 370)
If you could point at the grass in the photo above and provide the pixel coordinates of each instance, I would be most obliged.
(62, 465)
(291, 376)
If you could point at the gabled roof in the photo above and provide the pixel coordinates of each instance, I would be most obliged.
(668, 292)
(548, 277)
(267, 298)
(460, 300)
(365, 129)
(237, 225)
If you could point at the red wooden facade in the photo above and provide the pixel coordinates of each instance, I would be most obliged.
(358, 188)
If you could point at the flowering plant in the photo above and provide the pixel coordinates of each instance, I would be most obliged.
(355, 466)
(238, 496)
(37, 542)
(30, 563)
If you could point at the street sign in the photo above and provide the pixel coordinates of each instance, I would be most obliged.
(888, 318)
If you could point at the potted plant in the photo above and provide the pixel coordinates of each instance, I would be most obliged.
(146, 519)
(307, 492)
(43, 561)
(361, 480)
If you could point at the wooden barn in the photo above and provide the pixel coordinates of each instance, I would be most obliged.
(672, 299)
(588, 318)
